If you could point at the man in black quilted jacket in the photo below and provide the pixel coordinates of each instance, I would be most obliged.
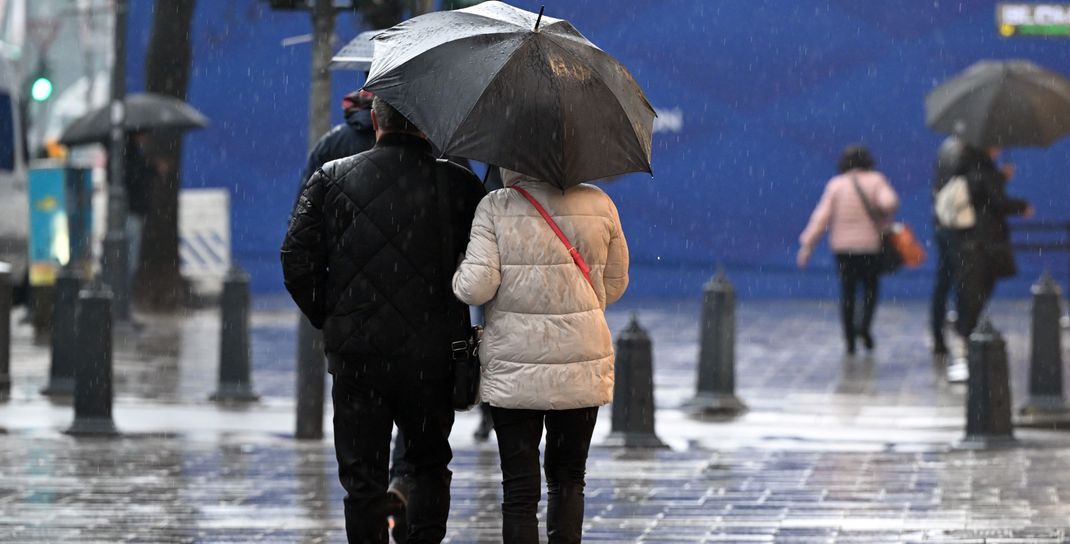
(365, 259)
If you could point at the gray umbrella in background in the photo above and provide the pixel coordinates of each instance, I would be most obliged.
(508, 87)
(144, 111)
(357, 54)
(1002, 103)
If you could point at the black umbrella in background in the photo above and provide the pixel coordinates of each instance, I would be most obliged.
(508, 87)
(1003, 104)
(144, 111)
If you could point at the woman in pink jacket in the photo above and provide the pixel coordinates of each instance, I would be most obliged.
(853, 237)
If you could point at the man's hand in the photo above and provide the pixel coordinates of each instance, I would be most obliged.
(803, 256)
(1029, 212)
(1008, 171)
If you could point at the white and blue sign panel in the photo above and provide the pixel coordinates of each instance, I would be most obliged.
(49, 237)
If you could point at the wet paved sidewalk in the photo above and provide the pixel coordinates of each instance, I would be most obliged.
(833, 449)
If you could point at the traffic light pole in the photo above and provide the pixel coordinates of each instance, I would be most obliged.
(114, 265)
(311, 368)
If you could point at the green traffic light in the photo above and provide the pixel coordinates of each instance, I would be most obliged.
(41, 89)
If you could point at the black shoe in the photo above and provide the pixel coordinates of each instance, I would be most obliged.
(851, 346)
(396, 508)
(482, 433)
(940, 348)
(867, 341)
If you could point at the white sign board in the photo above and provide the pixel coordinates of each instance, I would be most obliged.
(204, 238)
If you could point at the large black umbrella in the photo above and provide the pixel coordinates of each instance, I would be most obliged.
(144, 111)
(1002, 103)
(508, 87)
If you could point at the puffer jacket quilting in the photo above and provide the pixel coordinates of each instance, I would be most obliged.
(546, 344)
(362, 258)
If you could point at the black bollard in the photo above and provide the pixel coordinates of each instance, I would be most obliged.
(633, 391)
(1046, 352)
(311, 372)
(93, 373)
(988, 395)
(235, 383)
(65, 348)
(5, 331)
(716, 394)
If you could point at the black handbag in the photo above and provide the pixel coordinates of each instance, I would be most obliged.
(889, 259)
(464, 352)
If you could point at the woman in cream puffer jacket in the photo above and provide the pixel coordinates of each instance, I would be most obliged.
(546, 353)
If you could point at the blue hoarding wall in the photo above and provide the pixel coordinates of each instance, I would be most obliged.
(756, 99)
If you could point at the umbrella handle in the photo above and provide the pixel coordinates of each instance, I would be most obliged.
(539, 20)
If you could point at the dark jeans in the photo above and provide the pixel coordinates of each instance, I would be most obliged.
(365, 410)
(568, 438)
(944, 281)
(855, 269)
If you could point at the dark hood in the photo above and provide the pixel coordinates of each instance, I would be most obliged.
(359, 119)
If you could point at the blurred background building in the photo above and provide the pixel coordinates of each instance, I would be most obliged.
(756, 98)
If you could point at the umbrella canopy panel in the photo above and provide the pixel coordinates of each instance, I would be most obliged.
(1002, 103)
(482, 83)
(145, 111)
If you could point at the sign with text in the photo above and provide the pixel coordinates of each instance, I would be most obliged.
(1033, 19)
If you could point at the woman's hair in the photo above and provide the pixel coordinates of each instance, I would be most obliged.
(856, 157)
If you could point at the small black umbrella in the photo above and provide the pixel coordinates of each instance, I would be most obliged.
(144, 111)
(1002, 103)
(508, 87)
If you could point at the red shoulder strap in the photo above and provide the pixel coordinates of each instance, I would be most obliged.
(576, 257)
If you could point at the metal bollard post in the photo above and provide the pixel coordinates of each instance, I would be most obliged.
(311, 372)
(235, 383)
(5, 331)
(988, 395)
(65, 348)
(716, 394)
(93, 375)
(1046, 353)
(633, 391)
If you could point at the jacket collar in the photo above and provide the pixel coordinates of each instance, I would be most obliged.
(401, 139)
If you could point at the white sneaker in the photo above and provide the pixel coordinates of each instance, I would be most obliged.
(958, 371)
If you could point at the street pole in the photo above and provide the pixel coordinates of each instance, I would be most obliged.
(114, 266)
(311, 369)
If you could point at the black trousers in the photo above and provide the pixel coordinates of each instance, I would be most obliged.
(858, 269)
(365, 410)
(974, 284)
(944, 281)
(568, 439)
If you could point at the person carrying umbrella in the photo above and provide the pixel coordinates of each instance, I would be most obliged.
(138, 178)
(983, 252)
(145, 112)
(547, 253)
(989, 106)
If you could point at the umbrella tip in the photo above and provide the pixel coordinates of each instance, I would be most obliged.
(539, 19)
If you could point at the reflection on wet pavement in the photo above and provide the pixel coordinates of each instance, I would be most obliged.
(175, 490)
(834, 450)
